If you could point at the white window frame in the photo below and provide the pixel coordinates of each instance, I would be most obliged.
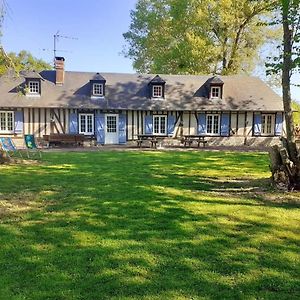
(159, 125)
(218, 90)
(86, 132)
(98, 86)
(265, 125)
(158, 88)
(31, 90)
(5, 112)
(107, 123)
(213, 124)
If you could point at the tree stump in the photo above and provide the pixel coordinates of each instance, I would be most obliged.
(285, 172)
(3, 158)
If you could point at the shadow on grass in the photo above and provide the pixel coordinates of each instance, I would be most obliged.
(150, 226)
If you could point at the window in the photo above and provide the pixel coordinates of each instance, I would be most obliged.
(34, 87)
(160, 125)
(86, 124)
(6, 121)
(213, 124)
(215, 92)
(267, 124)
(157, 91)
(111, 124)
(98, 89)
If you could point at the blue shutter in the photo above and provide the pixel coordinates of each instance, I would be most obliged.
(122, 128)
(171, 124)
(225, 124)
(257, 124)
(278, 124)
(202, 124)
(73, 124)
(149, 124)
(100, 123)
(19, 122)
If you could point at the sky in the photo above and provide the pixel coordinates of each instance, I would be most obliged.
(98, 26)
(91, 33)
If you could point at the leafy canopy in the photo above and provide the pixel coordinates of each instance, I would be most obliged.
(197, 36)
(23, 60)
(296, 114)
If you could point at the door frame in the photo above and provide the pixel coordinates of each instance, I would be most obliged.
(117, 129)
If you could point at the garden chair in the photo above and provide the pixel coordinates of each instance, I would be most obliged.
(8, 146)
(31, 146)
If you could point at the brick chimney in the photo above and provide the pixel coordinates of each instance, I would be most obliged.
(60, 70)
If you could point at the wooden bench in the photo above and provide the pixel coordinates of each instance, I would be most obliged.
(62, 138)
(188, 140)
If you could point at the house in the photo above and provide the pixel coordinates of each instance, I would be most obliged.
(114, 108)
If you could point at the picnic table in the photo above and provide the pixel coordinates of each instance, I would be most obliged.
(153, 139)
(188, 140)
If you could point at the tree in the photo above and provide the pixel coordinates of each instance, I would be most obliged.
(287, 160)
(196, 36)
(19, 62)
(5, 61)
(23, 61)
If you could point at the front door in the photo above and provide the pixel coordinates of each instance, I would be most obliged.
(111, 129)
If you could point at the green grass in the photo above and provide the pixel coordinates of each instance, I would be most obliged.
(147, 225)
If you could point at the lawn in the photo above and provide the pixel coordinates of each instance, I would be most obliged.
(147, 225)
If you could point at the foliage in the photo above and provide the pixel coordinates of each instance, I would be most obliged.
(24, 61)
(296, 114)
(147, 225)
(5, 62)
(194, 36)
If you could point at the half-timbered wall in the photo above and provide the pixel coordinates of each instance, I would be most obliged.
(43, 121)
(241, 123)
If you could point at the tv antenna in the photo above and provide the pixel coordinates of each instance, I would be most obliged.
(56, 37)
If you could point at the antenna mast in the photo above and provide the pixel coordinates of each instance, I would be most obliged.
(56, 36)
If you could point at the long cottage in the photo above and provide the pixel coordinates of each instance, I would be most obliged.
(114, 108)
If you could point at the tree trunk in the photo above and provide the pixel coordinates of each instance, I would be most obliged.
(285, 160)
(279, 172)
(286, 89)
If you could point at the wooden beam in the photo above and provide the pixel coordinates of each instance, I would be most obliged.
(57, 116)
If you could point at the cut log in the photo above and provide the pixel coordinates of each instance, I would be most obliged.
(275, 158)
(285, 173)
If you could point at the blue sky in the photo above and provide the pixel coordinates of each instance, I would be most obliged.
(97, 24)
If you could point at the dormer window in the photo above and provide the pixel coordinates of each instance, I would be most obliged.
(97, 86)
(215, 88)
(215, 92)
(157, 88)
(157, 91)
(34, 87)
(98, 89)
